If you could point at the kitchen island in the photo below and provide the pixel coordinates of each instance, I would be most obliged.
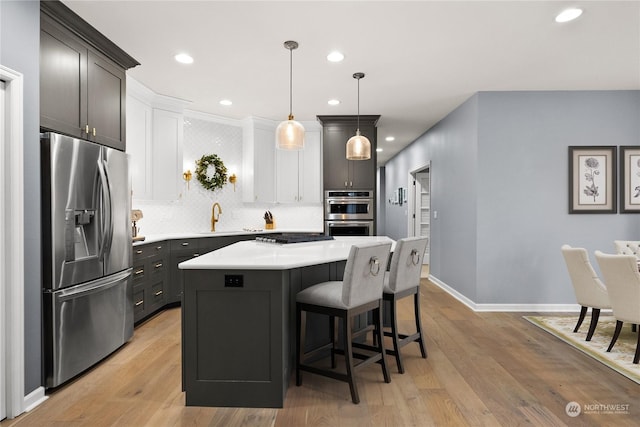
(238, 321)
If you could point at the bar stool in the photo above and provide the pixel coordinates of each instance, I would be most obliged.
(359, 292)
(402, 280)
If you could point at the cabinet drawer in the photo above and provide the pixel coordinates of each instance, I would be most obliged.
(184, 244)
(138, 273)
(157, 293)
(153, 249)
(157, 266)
(138, 304)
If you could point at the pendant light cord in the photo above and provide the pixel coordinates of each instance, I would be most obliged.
(290, 83)
(358, 105)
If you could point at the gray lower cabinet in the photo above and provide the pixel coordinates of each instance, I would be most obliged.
(150, 274)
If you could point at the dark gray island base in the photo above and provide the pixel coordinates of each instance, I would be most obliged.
(239, 340)
(238, 318)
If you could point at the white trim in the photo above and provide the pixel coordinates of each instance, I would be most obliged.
(503, 307)
(13, 276)
(34, 398)
(212, 118)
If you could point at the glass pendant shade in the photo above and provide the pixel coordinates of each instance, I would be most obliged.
(358, 147)
(290, 135)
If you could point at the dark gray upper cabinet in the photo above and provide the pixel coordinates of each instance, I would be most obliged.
(338, 172)
(82, 78)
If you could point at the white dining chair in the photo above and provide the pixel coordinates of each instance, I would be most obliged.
(588, 288)
(620, 273)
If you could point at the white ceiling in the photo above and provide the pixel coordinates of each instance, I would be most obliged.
(421, 58)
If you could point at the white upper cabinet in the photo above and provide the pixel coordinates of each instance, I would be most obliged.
(154, 143)
(258, 160)
(299, 173)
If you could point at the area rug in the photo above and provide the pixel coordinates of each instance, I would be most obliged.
(620, 358)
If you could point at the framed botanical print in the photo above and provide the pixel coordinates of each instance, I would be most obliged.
(630, 179)
(592, 179)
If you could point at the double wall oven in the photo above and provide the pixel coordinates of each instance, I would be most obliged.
(349, 212)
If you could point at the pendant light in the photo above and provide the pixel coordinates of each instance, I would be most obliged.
(358, 146)
(290, 133)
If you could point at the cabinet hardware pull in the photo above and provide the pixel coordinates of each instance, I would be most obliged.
(86, 129)
(158, 248)
(139, 251)
(185, 244)
(345, 183)
(196, 255)
(158, 265)
(158, 293)
(94, 131)
(139, 271)
(139, 302)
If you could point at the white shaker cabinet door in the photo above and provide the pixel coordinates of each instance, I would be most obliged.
(139, 147)
(258, 160)
(166, 157)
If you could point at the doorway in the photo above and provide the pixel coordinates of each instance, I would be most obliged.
(420, 205)
(3, 285)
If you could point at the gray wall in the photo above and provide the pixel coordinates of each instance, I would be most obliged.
(20, 51)
(499, 185)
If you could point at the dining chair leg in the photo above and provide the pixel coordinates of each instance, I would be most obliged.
(595, 314)
(615, 335)
(348, 358)
(385, 370)
(416, 311)
(394, 334)
(636, 358)
(583, 312)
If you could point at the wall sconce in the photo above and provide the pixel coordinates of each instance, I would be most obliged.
(187, 177)
(232, 179)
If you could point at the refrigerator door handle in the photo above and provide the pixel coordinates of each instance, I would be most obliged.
(110, 207)
(107, 226)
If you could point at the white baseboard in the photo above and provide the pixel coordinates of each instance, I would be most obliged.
(504, 307)
(34, 398)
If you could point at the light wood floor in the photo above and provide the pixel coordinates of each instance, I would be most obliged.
(491, 369)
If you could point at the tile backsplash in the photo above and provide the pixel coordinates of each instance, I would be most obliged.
(192, 211)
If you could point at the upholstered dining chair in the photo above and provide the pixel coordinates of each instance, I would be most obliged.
(620, 273)
(589, 289)
(403, 280)
(360, 291)
(627, 247)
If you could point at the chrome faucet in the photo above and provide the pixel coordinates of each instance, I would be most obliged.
(215, 219)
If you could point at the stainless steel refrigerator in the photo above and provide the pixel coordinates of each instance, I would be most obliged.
(87, 288)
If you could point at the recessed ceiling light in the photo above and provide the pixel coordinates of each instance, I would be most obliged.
(335, 56)
(568, 15)
(184, 58)
(390, 138)
(379, 150)
(333, 102)
(226, 102)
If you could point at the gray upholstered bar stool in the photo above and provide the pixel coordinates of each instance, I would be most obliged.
(403, 280)
(359, 292)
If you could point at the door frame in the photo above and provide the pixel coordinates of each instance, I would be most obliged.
(12, 275)
(411, 201)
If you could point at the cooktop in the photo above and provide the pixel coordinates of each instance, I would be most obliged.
(293, 238)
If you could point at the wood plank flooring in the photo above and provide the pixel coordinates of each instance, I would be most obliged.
(483, 369)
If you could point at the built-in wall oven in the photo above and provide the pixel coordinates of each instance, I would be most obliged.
(349, 212)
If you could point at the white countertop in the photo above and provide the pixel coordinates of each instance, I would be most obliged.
(253, 255)
(196, 235)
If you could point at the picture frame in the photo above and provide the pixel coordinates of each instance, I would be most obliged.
(592, 179)
(630, 179)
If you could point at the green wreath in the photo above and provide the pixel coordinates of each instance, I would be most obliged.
(219, 178)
